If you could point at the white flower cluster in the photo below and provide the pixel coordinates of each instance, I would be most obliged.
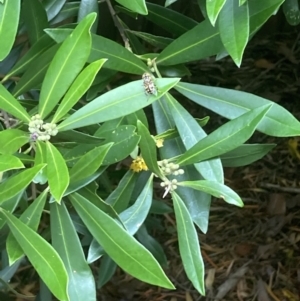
(169, 169)
(39, 130)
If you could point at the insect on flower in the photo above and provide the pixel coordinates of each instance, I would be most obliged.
(149, 84)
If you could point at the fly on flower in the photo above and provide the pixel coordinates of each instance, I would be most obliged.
(149, 84)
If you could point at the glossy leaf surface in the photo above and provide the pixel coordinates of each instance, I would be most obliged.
(278, 121)
(130, 255)
(9, 20)
(57, 172)
(189, 246)
(116, 103)
(42, 256)
(225, 138)
(66, 242)
(216, 189)
(67, 63)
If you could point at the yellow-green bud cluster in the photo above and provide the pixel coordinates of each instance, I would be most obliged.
(169, 169)
(41, 131)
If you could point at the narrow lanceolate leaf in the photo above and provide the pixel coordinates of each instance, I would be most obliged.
(245, 154)
(234, 28)
(53, 7)
(116, 103)
(148, 149)
(67, 63)
(9, 162)
(169, 19)
(11, 105)
(225, 138)
(125, 250)
(218, 190)
(89, 163)
(35, 19)
(198, 43)
(9, 20)
(213, 9)
(80, 85)
(118, 57)
(57, 172)
(14, 184)
(86, 7)
(291, 11)
(42, 256)
(120, 197)
(66, 242)
(278, 121)
(199, 211)
(35, 71)
(190, 133)
(30, 217)
(189, 246)
(137, 6)
(12, 140)
(44, 43)
(134, 216)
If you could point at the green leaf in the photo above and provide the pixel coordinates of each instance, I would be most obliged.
(291, 11)
(36, 70)
(106, 270)
(261, 11)
(216, 189)
(118, 57)
(148, 150)
(57, 172)
(225, 138)
(35, 19)
(172, 148)
(152, 245)
(69, 10)
(30, 217)
(241, 2)
(66, 242)
(89, 163)
(12, 140)
(191, 132)
(53, 7)
(8, 162)
(278, 121)
(134, 216)
(124, 139)
(189, 246)
(156, 41)
(121, 195)
(137, 6)
(245, 154)
(80, 85)
(170, 20)
(11, 105)
(14, 184)
(86, 7)
(131, 256)
(234, 29)
(169, 2)
(198, 43)
(213, 9)
(42, 256)
(9, 20)
(66, 64)
(116, 103)
(44, 43)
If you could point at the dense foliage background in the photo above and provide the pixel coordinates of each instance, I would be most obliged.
(94, 119)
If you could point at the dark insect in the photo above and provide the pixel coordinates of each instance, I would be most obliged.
(149, 85)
